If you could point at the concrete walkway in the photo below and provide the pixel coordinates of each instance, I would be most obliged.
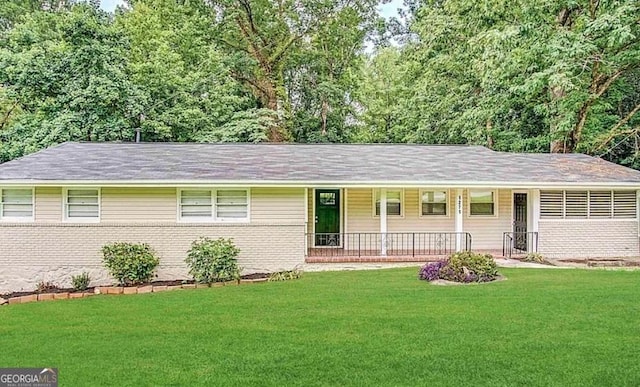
(504, 262)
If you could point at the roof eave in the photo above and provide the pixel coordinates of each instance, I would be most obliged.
(319, 183)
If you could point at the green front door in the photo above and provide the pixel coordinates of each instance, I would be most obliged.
(327, 220)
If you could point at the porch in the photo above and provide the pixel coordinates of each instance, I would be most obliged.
(417, 224)
(408, 246)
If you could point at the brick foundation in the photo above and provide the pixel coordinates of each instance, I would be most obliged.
(53, 252)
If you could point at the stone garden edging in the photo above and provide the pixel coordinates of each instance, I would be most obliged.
(121, 290)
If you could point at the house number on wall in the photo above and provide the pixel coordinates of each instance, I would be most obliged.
(459, 204)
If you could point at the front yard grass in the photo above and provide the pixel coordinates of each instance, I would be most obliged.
(384, 327)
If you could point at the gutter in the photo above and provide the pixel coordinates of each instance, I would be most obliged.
(319, 184)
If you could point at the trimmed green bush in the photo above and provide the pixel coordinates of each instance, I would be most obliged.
(467, 266)
(213, 260)
(80, 281)
(130, 263)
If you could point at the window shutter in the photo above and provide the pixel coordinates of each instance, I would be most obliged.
(576, 204)
(551, 204)
(600, 204)
(624, 204)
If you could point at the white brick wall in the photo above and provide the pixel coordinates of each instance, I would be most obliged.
(588, 238)
(31, 253)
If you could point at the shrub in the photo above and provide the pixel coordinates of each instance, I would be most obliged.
(285, 275)
(470, 267)
(130, 263)
(44, 286)
(461, 267)
(80, 281)
(213, 260)
(431, 271)
(534, 257)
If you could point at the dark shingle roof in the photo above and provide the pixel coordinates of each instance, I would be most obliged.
(175, 162)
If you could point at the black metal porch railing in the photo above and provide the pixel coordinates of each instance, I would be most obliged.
(519, 243)
(391, 244)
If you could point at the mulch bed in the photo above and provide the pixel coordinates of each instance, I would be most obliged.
(603, 262)
(442, 282)
(48, 290)
(154, 283)
(524, 260)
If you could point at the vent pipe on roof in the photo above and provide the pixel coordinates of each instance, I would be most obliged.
(138, 135)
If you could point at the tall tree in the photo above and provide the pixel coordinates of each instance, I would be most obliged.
(65, 71)
(382, 91)
(534, 76)
(174, 62)
(262, 37)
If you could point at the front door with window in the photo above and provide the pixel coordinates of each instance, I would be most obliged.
(327, 217)
(520, 221)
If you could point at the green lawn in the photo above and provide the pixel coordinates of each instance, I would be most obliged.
(539, 327)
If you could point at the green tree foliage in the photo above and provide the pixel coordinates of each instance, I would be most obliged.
(522, 76)
(295, 58)
(188, 92)
(382, 93)
(65, 72)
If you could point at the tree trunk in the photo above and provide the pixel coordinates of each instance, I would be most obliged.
(489, 127)
(557, 145)
(323, 115)
(268, 96)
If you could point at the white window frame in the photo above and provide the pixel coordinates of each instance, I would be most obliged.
(214, 216)
(65, 206)
(373, 202)
(19, 218)
(195, 219)
(496, 206)
(447, 203)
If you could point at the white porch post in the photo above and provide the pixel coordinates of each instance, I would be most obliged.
(306, 221)
(535, 213)
(345, 206)
(638, 212)
(383, 222)
(458, 219)
(638, 215)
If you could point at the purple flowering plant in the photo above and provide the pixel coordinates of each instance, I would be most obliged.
(431, 271)
(465, 267)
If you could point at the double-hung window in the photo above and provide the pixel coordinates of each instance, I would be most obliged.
(434, 203)
(16, 204)
(82, 204)
(394, 202)
(482, 202)
(214, 205)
